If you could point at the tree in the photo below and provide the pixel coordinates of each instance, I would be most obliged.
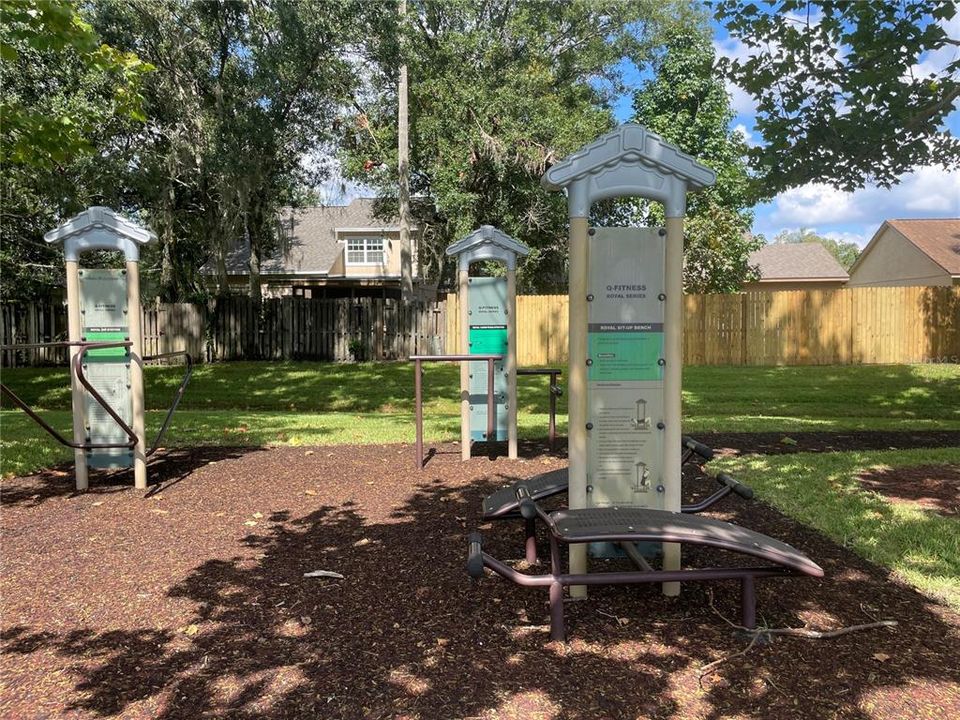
(846, 253)
(498, 92)
(716, 252)
(686, 103)
(246, 90)
(842, 97)
(67, 102)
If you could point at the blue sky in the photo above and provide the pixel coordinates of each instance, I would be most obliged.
(926, 192)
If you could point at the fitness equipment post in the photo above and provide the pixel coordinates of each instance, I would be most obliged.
(104, 306)
(629, 161)
(488, 325)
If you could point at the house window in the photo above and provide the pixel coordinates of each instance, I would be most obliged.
(365, 251)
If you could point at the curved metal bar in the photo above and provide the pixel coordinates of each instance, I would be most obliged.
(698, 507)
(39, 420)
(96, 396)
(178, 396)
(77, 364)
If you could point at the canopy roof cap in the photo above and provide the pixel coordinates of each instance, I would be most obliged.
(488, 243)
(629, 160)
(100, 228)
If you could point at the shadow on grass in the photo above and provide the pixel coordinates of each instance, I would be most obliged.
(406, 634)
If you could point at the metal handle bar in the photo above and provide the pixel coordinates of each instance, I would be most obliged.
(177, 397)
(75, 367)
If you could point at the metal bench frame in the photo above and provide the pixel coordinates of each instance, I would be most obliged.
(546, 488)
(556, 579)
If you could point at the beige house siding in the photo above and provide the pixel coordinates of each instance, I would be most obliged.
(391, 247)
(895, 261)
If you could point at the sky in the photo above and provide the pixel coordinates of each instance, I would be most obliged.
(852, 217)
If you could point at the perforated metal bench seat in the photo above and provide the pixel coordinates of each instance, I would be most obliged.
(638, 525)
(503, 503)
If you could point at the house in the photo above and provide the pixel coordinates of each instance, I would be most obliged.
(327, 251)
(796, 266)
(910, 252)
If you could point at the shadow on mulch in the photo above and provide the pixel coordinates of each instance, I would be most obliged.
(234, 630)
(932, 487)
(165, 468)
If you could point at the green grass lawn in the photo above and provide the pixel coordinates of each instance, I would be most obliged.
(321, 403)
(821, 490)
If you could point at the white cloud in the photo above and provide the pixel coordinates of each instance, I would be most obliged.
(928, 191)
(748, 137)
(935, 62)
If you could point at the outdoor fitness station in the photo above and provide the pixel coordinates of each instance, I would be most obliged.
(105, 339)
(488, 346)
(625, 364)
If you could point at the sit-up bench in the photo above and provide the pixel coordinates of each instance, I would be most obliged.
(502, 504)
(631, 525)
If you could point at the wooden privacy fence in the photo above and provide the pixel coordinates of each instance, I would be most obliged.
(800, 327)
(293, 328)
(232, 328)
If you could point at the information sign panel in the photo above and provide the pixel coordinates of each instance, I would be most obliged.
(487, 306)
(625, 374)
(103, 313)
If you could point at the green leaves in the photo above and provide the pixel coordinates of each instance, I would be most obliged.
(841, 93)
(498, 92)
(46, 44)
(686, 103)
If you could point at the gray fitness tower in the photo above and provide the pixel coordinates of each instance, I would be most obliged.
(488, 326)
(626, 328)
(103, 306)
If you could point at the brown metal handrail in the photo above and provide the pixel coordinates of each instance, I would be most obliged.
(76, 367)
(178, 396)
(98, 398)
(418, 361)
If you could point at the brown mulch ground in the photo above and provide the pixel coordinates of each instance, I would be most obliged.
(190, 602)
(932, 487)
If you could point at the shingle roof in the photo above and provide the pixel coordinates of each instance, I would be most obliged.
(939, 239)
(311, 242)
(797, 261)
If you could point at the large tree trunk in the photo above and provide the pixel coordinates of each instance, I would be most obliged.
(168, 276)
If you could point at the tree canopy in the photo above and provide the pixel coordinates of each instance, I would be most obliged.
(842, 95)
(66, 97)
(686, 103)
(846, 253)
(497, 93)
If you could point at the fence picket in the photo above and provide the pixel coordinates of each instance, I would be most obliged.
(848, 326)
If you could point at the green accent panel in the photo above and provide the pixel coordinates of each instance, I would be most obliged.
(106, 336)
(488, 341)
(625, 355)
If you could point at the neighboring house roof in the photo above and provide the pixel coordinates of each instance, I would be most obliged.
(310, 246)
(796, 262)
(937, 238)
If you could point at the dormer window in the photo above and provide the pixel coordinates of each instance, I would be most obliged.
(365, 251)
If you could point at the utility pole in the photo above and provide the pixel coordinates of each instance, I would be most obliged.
(403, 169)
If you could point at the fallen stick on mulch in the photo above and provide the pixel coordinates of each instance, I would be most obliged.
(757, 633)
(324, 574)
